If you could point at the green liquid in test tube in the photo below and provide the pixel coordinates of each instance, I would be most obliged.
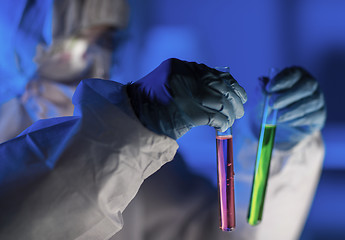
(263, 160)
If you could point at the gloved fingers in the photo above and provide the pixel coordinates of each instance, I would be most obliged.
(304, 88)
(236, 104)
(229, 104)
(219, 121)
(202, 115)
(228, 83)
(222, 82)
(220, 85)
(211, 99)
(314, 120)
(285, 79)
(302, 107)
(239, 91)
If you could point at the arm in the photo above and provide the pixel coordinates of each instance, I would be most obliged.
(299, 151)
(101, 158)
(290, 191)
(295, 167)
(293, 180)
(96, 172)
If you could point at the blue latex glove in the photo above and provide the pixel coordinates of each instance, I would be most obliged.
(297, 96)
(179, 95)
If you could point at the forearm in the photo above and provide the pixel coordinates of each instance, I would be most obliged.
(91, 172)
(291, 189)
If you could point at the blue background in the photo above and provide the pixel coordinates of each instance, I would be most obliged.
(250, 37)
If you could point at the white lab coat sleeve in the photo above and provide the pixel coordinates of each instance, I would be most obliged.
(294, 176)
(292, 184)
(72, 177)
(187, 207)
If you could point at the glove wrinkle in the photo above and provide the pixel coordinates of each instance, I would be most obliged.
(179, 95)
(296, 95)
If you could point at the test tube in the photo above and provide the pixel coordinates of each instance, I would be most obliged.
(225, 170)
(263, 160)
(225, 174)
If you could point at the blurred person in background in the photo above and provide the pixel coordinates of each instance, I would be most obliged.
(72, 177)
(82, 47)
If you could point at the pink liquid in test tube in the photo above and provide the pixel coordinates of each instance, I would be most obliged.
(226, 195)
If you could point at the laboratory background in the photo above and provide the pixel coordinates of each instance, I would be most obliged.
(250, 37)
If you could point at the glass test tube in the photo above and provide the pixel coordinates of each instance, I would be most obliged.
(225, 174)
(225, 170)
(263, 160)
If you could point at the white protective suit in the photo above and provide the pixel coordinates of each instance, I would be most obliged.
(72, 177)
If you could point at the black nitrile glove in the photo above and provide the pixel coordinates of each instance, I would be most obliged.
(300, 104)
(179, 95)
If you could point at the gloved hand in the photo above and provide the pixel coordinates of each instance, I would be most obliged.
(300, 103)
(179, 95)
